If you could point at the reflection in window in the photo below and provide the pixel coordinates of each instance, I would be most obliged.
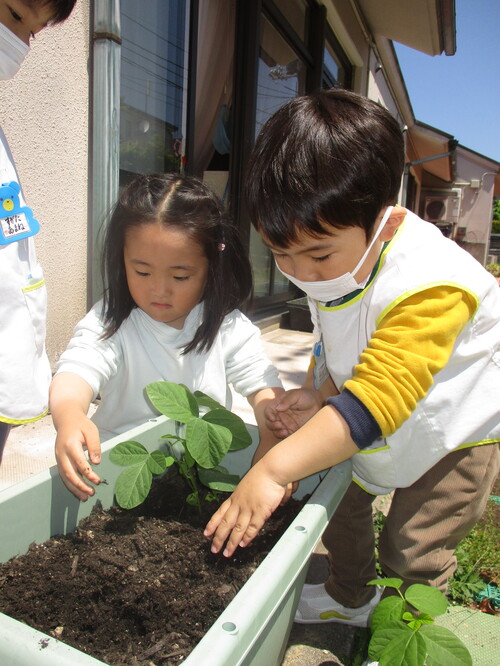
(281, 77)
(152, 85)
(281, 74)
(296, 13)
(337, 70)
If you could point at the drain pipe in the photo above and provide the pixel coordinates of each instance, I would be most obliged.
(105, 133)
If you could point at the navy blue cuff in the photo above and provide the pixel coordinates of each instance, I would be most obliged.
(364, 429)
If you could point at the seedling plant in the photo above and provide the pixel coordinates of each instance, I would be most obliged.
(205, 432)
(404, 632)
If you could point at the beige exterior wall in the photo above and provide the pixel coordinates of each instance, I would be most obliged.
(47, 127)
(476, 201)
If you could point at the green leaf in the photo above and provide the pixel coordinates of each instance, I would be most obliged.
(382, 636)
(205, 400)
(427, 599)
(158, 462)
(173, 400)
(133, 485)
(408, 617)
(206, 442)
(416, 621)
(241, 438)
(388, 610)
(193, 499)
(218, 478)
(387, 582)
(212, 497)
(443, 647)
(405, 649)
(423, 618)
(128, 453)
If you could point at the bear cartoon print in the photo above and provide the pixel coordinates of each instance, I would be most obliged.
(16, 221)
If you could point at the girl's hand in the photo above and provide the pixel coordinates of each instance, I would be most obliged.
(77, 433)
(287, 414)
(242, 515)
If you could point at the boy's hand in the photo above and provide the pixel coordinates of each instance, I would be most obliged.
(266, 443)
(287, 414)
(242, 515)
(74, 468)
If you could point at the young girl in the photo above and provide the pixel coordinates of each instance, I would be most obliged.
(176, 273)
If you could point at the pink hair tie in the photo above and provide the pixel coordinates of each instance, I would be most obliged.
(221, 247)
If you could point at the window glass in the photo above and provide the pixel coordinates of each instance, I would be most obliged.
(337, 71)
(261, 264)
(296, 14)
(281, 77)
(153, 84)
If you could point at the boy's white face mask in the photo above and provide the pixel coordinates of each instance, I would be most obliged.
(331, 290)
(12, 53)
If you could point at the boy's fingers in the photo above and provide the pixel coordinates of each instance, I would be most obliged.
(287, 401)
(216, 519)
(243, 532)
(226, 522)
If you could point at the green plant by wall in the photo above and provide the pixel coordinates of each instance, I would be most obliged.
(494, 269)
(404, 632)
(478, 558)
(197, 449)
(496, 216)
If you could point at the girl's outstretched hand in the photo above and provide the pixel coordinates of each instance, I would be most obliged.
(242, 515)
(72, 438)
(291, 411)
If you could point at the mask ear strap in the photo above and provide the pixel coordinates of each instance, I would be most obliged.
(383, 221)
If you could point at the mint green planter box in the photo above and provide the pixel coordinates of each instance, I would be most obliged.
(254, 628)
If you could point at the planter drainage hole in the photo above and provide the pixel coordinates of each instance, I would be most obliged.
(300, 528)
(230, 627)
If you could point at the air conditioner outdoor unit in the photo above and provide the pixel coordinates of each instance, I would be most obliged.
(442, 207)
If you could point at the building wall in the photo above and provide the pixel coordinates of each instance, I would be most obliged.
(45, 117)
(477, 200)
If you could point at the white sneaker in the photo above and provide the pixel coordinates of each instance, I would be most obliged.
(317, 606)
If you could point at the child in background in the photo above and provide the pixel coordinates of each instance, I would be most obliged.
(176, 273)
(407, 327)
(24, 367)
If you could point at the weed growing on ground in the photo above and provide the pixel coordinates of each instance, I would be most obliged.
(478, 556)
(404, 632)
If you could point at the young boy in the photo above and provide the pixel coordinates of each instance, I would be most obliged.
(24, 367)
(408, 329)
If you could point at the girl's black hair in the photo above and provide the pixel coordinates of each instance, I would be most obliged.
(186, 204)
(330, 158)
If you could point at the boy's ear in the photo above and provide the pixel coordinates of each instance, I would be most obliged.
(398, 214)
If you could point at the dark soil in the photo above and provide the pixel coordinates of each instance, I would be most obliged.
(133, 587)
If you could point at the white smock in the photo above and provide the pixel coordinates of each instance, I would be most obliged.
(24, 367)
(144, 351)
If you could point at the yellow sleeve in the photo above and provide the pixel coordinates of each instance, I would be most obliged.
(410, 346)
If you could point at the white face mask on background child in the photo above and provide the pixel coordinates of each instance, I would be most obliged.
(331, 290)
(12, 53)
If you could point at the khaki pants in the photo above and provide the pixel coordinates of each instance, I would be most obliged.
(424, 525)
(4, 433)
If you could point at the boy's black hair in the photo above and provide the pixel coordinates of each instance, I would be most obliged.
(330, 158)
(61, 9)
(186, 204)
